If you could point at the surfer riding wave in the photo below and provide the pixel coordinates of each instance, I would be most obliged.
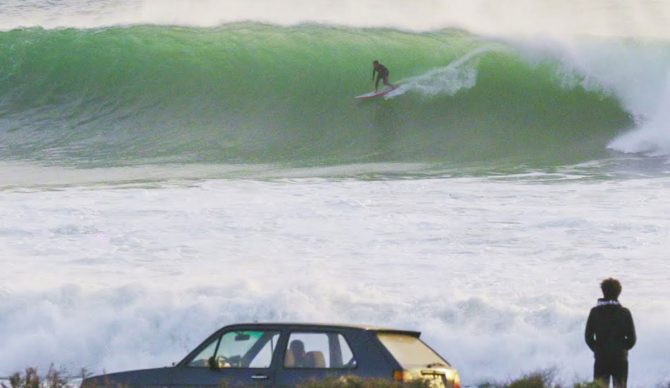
(382, 74)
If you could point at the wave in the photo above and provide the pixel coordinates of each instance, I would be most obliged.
(254, 93)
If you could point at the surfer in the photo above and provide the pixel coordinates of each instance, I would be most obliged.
(382, 74)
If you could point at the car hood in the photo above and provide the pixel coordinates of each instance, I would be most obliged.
(144, 377)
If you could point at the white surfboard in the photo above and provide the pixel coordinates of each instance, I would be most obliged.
(378, 93)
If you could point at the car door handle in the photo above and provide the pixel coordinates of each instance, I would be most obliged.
(259, 377)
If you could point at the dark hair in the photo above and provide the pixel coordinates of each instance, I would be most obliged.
(297, 346)
(611, 288)
(375, 61)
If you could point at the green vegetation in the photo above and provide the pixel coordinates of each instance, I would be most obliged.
(357, 382)
(539, 379)
(31, 379)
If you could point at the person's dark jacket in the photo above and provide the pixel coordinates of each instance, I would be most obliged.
(610, 331)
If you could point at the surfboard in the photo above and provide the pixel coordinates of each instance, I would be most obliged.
(378, 93)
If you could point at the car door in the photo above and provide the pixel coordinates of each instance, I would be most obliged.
(314, 355)
(235, 358)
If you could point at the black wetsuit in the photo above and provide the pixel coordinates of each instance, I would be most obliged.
(610, 333)
(382, 74)
(381, 70)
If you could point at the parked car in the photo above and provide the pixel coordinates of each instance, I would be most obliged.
(285, 354)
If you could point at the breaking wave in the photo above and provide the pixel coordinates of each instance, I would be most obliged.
(253, 93)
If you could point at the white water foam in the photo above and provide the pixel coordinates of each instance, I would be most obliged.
(499, 275)
(653, 135)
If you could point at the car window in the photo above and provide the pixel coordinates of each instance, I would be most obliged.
(239, 349)
(202, 359)
(264, 357)
(318, 350)
(347, 359)
(409, 351)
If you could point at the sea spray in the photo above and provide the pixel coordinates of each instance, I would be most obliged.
(458, 75)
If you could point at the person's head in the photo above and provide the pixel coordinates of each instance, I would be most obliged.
(298, 348)
(611, 288)
(375, 62)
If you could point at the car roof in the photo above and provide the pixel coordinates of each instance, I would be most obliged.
(314, 325)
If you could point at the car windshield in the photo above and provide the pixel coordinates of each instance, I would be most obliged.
(238, 349)
(409, 351)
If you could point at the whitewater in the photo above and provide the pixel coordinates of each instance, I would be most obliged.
(170, 167)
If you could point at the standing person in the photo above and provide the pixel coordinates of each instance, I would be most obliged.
(382, 74)
(610, 333)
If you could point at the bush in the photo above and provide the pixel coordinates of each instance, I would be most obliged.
(32, 379)
(357, 382)
(539, 379)
(589, 385)
(542, 379)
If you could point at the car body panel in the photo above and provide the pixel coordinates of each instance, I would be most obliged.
(205, 377)
(156, 377)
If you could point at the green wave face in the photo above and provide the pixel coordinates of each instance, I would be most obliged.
(249, 93)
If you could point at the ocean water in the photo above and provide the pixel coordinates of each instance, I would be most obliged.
(169, 167)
